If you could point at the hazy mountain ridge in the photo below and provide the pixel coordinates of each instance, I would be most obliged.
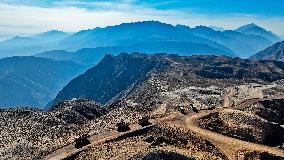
(31, 81)
(25, 46)
(129, 34)
(231, 39)
(256, 30)
(91, 56)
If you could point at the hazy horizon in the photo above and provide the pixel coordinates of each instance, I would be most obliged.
(31, 17)
(4, 37)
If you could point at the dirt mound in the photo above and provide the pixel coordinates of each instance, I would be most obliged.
(244, 126)
(168, 141)
(271, 110)
(78, 110)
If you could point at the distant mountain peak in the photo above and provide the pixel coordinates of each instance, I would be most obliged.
(250, 26)
(181, 25)
(200, 26)
(16, 39)
(146, 22)
(217, 28)
(204, 27)
(254, 29)
(52, 33)
(142, 23)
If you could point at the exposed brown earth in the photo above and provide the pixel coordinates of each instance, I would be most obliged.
(229, 147)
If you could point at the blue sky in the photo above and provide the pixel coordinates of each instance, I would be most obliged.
(32, 16)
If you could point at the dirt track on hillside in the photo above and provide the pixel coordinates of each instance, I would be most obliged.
(227, 145)
(230, 146)
(70, 149)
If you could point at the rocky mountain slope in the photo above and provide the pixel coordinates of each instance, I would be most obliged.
(115, 74)
(112, 75)
(33, 82)
(274, 52)
(227, 93)
(36, 134)
(244, 126)
(27, 132)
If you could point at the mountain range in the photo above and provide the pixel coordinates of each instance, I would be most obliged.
(33, 82)
(251, 37)
(127, 34)
(232, 39)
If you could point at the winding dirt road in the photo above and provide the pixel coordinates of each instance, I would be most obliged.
(228, 145)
